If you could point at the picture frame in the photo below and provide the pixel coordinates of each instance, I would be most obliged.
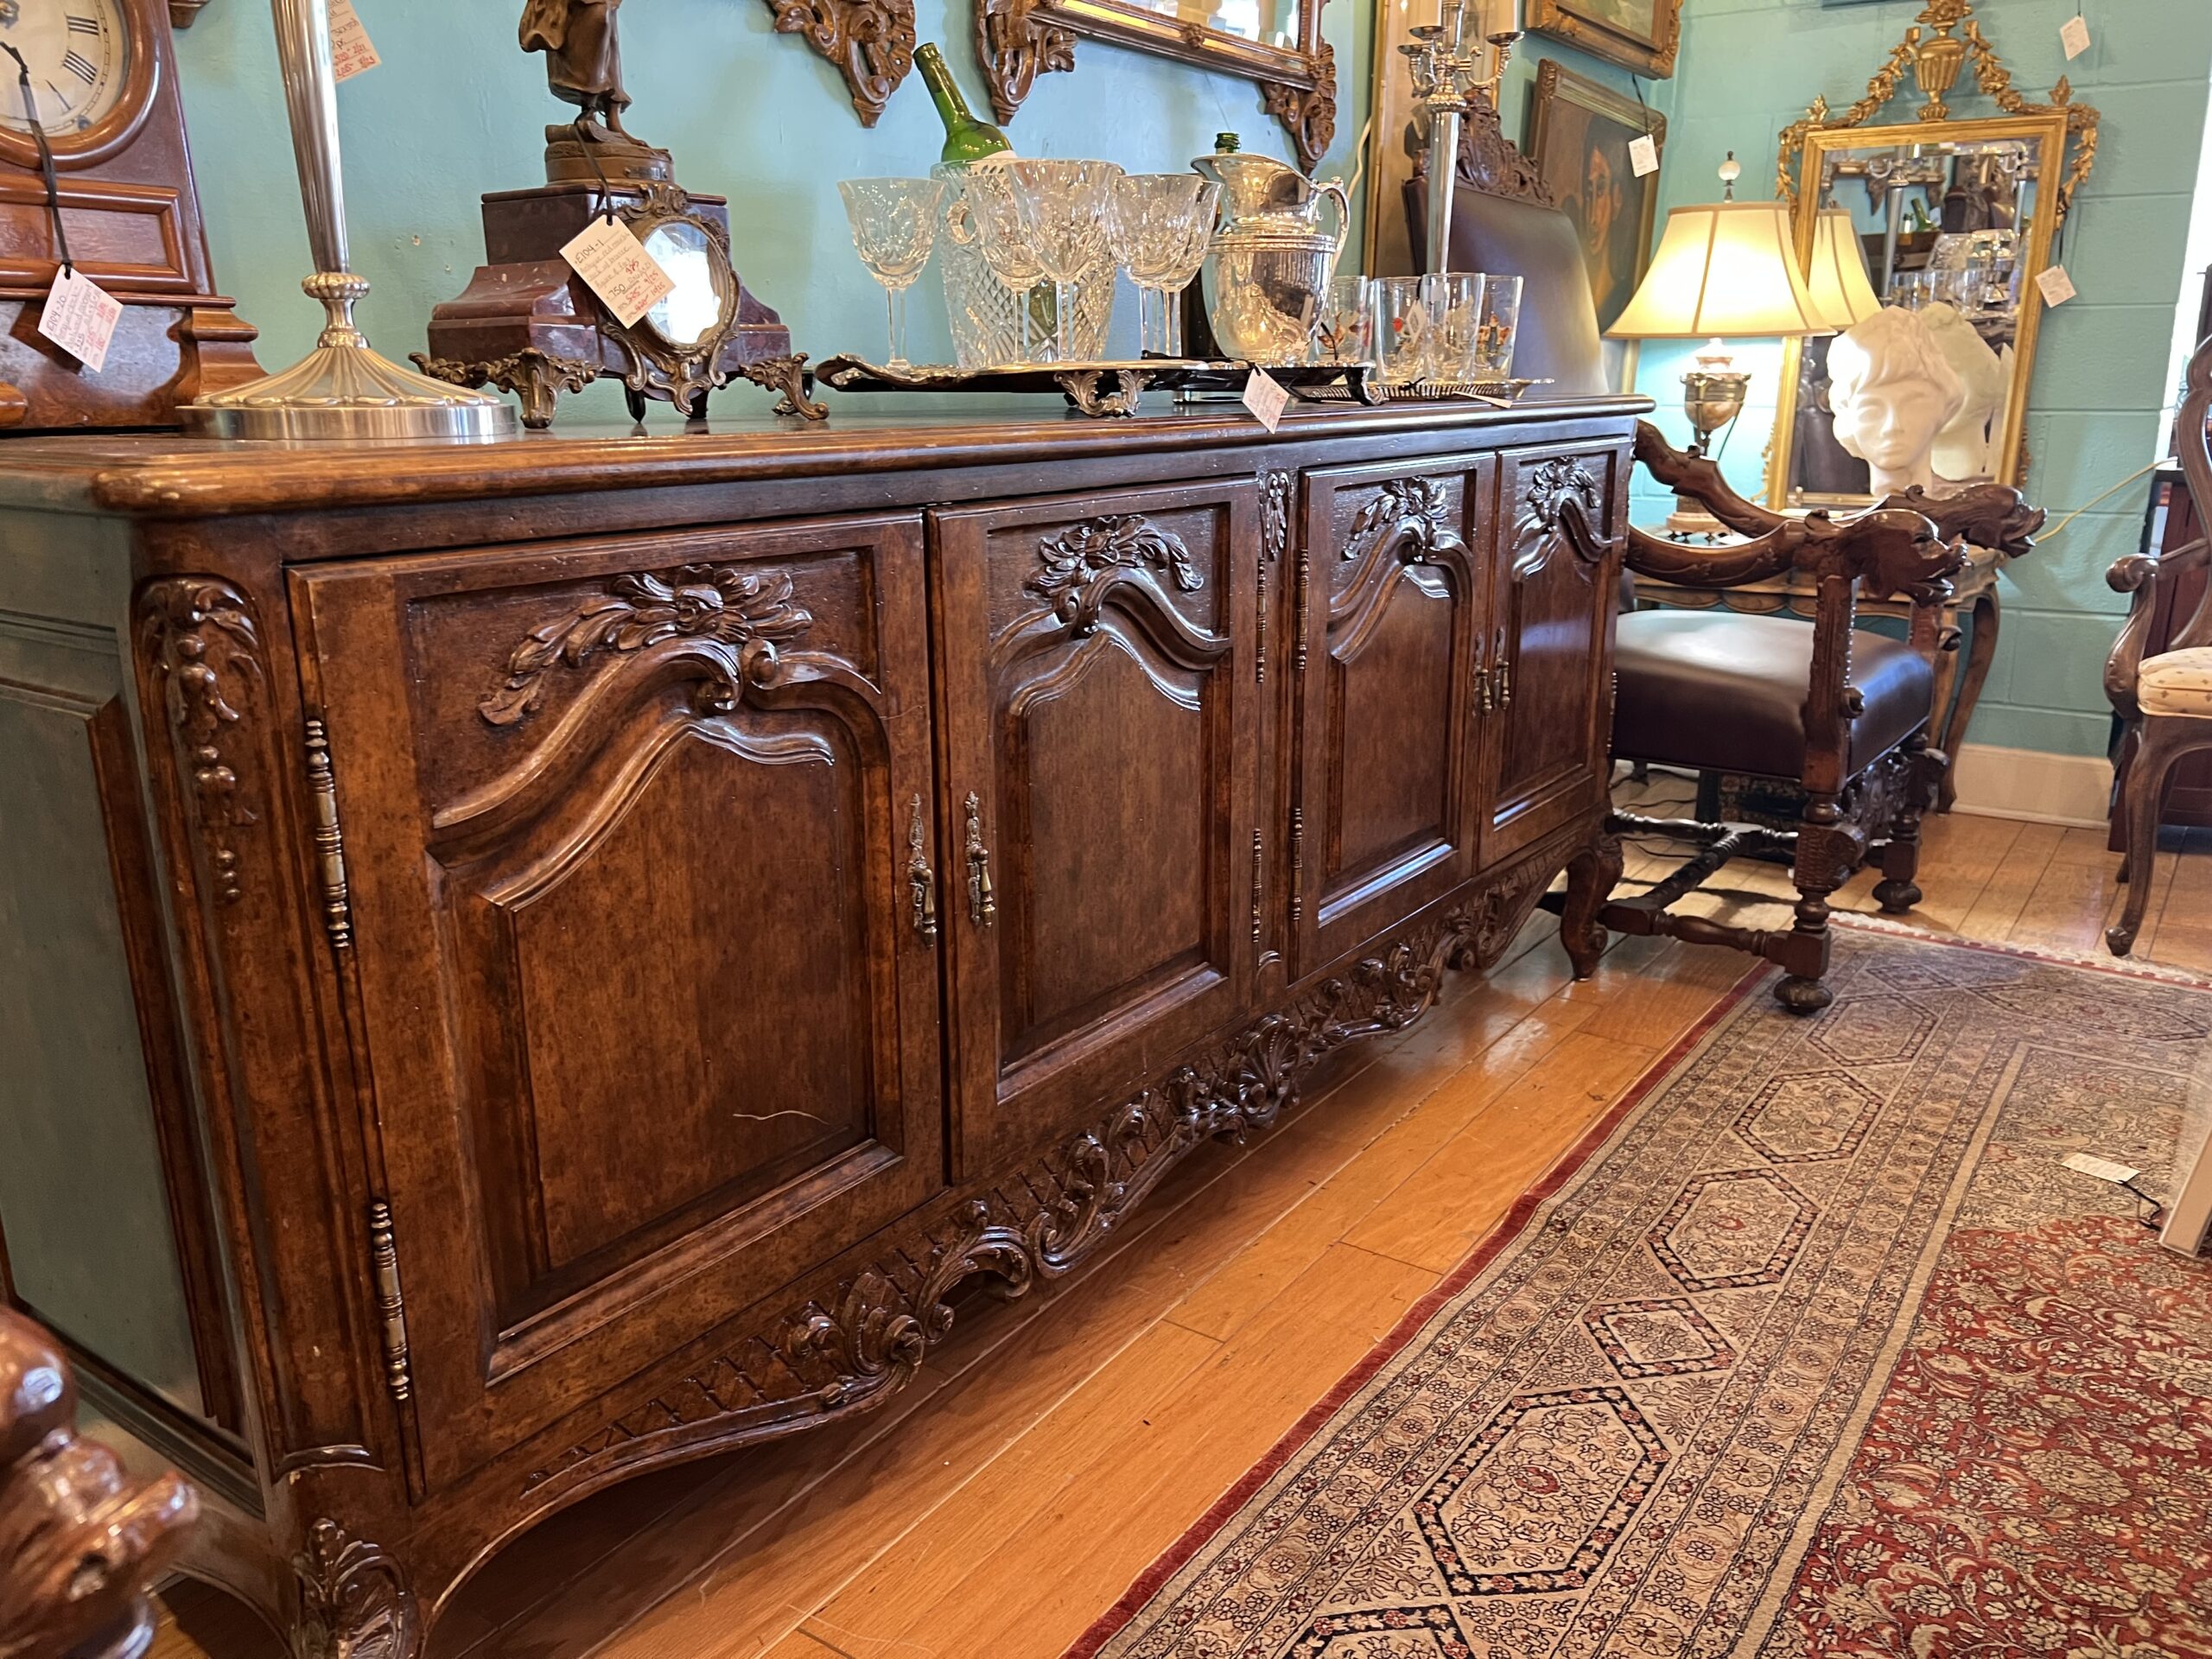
(1578, 136)
(1641, 35)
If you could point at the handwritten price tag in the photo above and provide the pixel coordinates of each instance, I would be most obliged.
(2055, 285)
(2074, 35)
(350, 49)
(80, 317)
(615, 265)
(1265, 398)
(1643, 155)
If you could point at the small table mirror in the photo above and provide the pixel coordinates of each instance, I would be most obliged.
(694, 308)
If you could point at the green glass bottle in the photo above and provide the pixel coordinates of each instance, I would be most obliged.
(966, 139)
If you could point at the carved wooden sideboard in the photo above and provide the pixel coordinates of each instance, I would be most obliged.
(524, 963)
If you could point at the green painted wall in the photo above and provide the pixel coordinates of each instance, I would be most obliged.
(455, 109)
(1749, 68)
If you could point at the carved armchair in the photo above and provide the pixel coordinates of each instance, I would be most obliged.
(80, 1538)
(1845, 714)
(2165, 700)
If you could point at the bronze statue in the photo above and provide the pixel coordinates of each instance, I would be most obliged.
(583, 55)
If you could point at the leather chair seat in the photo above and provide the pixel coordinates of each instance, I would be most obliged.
(1715, 691)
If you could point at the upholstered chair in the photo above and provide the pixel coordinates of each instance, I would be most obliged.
(2165, 700)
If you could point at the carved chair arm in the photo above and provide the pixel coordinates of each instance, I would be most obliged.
(1769, 554)
(1698, 479)
(2140, 575)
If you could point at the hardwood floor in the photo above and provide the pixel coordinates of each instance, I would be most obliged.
(993, 1511)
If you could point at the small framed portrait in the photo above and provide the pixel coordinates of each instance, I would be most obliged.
(1639, 34)
(1579, 137)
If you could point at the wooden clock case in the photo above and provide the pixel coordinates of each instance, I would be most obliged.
(132, 215)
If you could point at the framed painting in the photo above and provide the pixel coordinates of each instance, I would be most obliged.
(1639, 34)
(1579, 137)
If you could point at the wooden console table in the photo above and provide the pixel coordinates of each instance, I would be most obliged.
(525, 963)
(1958, 689)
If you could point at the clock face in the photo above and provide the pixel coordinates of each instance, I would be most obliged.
(78, 52)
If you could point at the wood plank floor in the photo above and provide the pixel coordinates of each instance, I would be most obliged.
(1058, 1443)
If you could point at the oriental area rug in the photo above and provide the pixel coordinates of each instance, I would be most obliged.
(1815, 1346)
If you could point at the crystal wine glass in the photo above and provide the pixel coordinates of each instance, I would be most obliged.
(1061, 208)
(1160, 225)
(894, 224)
(1006, 250)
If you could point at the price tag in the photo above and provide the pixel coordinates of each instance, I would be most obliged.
(629, 280)
(2074, 35)
(350, 50)
(1643, 155)
(1265, 398)
(2056, 286)
(2103, 1168)
(80, 317)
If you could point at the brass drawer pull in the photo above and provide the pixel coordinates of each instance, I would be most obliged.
(983, 906)
(921, 882)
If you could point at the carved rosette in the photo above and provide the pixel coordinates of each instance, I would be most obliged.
(750, 611)
(1414, 513)
(1015, 42)
(850, 1350)
(202, 646)
(1307, 113)
(1085, 562)
(871, 42)
(355, 1602)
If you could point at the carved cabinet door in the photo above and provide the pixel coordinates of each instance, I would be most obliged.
(1547, 741)
(1106, 860)
(629, 927)
(1389, 655)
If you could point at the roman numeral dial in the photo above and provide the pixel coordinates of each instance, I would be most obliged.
(80, 55)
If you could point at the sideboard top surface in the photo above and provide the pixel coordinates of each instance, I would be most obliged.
(165, 476)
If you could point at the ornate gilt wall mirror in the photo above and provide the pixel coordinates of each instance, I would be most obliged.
(1275, 43)
(1954, 220)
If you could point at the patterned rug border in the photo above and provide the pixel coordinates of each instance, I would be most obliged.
(2124, 967)
(1415, 1319)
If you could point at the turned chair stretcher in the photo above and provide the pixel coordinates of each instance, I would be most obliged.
(2165, 700)
(1769, 696)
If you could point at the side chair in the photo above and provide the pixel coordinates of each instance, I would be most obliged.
(2165, 700)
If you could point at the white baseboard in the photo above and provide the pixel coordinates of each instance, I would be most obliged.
(2069, 789)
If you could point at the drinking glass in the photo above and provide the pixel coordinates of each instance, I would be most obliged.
(1501, 314)
(1403, 329)
(1159, 227)
(1061, 209)
(1006, 250)
(1344, 330)
(1455, 311)
(894, 224)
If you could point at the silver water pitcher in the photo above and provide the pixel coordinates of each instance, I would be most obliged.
(1268, 266)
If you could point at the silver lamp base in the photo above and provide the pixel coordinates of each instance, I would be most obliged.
(343, 392)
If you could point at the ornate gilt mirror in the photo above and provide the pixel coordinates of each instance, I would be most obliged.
(1952, 219)
(1275, 43)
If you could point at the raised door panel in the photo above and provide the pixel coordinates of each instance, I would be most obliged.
(1105, 852)
(1395, 599)
(1547, 739)
(628, 828)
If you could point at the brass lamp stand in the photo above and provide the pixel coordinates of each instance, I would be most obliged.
(341, 392)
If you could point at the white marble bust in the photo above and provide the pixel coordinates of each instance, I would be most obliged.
(1891, 389)
(1962, 449)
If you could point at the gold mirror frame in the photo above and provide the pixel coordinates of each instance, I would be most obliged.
(1935, 51)
(1017, 41)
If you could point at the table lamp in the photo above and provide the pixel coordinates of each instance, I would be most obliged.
(1724, 270)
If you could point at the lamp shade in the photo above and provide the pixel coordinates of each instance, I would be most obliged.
(1723, 269)
(1838, 281)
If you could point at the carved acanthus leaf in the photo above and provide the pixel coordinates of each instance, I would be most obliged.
(1416, 511)
(749, 611)
(202, 643)
(1308, 113)
(871, 42)
(1083, 562)
(355, 1602)
(1552, 484)
(1015, 42)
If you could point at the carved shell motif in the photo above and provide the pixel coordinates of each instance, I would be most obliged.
(1084, 561)
(750, 610)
